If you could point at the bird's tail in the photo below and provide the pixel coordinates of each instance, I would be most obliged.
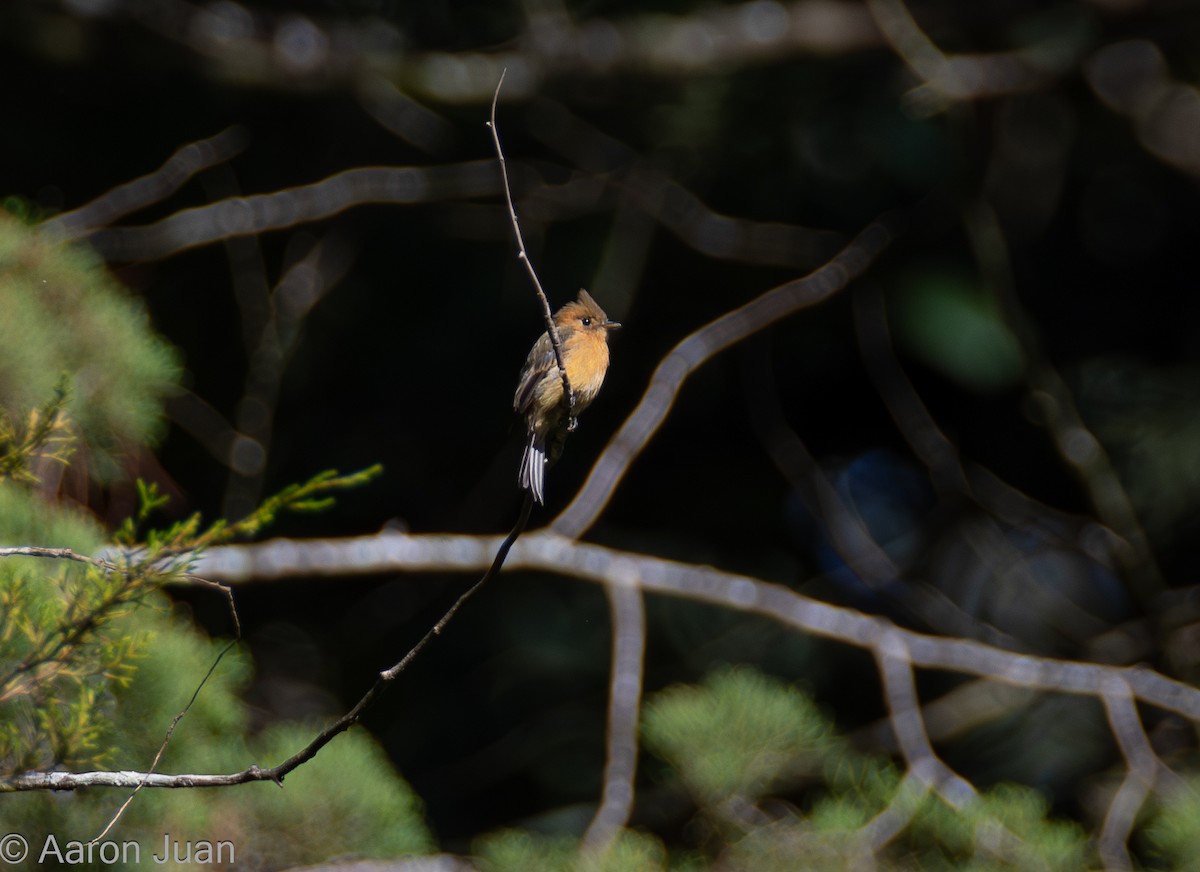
(532, 476)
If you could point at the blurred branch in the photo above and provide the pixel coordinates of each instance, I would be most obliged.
(139, 780)
(549, 551)
(898, 652)
(1132, 78)
(403, 116)
(1142, 766)
(302, 286)
(842, 524)
(635, 180)
(285, 48)
(1076, 444)
(951, 78)
(624, 707)
(152, 188)
(260, 213)
(200, 420)
(899, 688)
(904, 404)
(695, 350)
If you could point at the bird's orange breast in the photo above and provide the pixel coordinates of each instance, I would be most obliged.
(586, 359)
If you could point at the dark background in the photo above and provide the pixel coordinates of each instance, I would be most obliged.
(411, 359)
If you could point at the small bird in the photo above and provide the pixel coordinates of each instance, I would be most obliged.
(583, 332)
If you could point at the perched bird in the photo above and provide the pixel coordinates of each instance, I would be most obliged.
(583, 333)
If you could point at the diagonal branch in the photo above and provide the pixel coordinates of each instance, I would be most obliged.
(699, 347)
(152, 188)
(548, 551)
(140, 780)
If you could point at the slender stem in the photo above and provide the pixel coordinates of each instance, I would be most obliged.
(523, 256)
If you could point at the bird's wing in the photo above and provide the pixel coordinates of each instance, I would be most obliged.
(540, 361)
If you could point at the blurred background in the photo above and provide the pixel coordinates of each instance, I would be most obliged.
(1006, 405)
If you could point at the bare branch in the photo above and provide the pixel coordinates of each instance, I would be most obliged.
(404, 117)
(523, 256)
(286, 306)
(636, 181)
(149, 189)
(550, 552)
(57, 554)
(1076, 444)
(268, 54)
(899, 688)
(948, 78)
(162, 748)
(1132, 77)
(908, 410)
(695, 350)
(898, 649)
(260, 213)
(624, 704)
(139, 780)
(1142, 767)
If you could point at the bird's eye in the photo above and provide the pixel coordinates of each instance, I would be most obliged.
(587, 322)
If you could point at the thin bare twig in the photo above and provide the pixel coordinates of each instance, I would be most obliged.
(237, 627)
(523, 256)
(57, 554)
(139, 780)
(548, 551)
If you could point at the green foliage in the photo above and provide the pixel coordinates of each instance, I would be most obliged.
(63, 647)
(96, 663)
(737, 735)
(517, 851)
(188, 537)
(45, 435)
(1148, 418)
(58, 660)
(740, 734)
(1173, 833)
(955, 328)
(64, 313)
(347, 801)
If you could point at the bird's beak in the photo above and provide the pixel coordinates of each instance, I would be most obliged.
(611, 325)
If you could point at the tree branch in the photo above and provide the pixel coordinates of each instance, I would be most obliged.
(523, 256)
(699, 347)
